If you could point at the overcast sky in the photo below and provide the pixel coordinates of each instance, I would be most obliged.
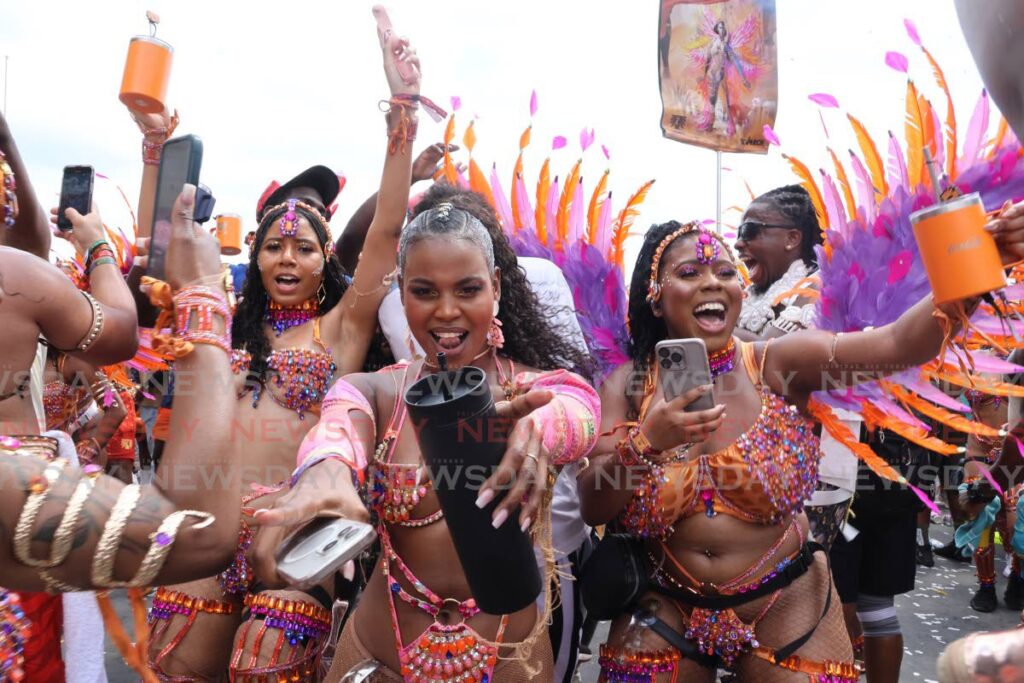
(274, 87)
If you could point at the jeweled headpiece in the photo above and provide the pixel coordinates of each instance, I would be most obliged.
(709, 248)
(289, 223)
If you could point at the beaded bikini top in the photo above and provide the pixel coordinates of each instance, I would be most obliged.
(763, 477)
(60, 399)
(396, 488)
(296, 379)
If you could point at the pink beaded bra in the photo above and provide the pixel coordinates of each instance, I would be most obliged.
(763, 477)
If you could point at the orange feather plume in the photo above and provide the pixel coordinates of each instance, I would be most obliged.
(524, 139)
(594, 210)
(872, 160)
(469, 138)
(844, 185)
(563, 204)
(543, 187)
(875, 417)
(1001, 132)
(451, 174)
(914, 130)
(932, 137)
(625, 221)
(982, 384)
(807, 180)
(951, 141)
(934, 412)
(478, 181)
(841, 433)
(804, 288)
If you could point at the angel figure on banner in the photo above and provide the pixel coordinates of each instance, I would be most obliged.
(727, 62)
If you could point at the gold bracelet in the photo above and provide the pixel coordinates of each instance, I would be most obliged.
(97, 324)
(160, 546)
(106, 549)
(160, 542)
(65, 533)
(56, 585)
(38, 489)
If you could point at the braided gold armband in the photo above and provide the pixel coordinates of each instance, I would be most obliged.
(38, 488)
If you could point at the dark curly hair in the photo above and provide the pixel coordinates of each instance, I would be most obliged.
(793, 202)
(247, 327)
(530, 336)
(645, 328)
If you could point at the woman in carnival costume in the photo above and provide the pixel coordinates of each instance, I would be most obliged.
(718, 494)
(464, 296)
(298, 325)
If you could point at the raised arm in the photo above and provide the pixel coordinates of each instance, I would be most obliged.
(101, 328)
(350, 244)
(357, 310)
(31, 229)
(96, 532)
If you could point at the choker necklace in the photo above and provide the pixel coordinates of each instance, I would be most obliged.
(723, 360)
(282, 317)
(432, 364)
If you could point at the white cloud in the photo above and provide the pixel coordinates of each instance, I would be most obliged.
(273, 87)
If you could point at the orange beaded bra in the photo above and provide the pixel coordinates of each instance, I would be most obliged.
(296, 378)
(763, 477)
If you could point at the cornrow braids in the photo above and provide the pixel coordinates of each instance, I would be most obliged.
(530, 336)
(793, 202)
(247, 327)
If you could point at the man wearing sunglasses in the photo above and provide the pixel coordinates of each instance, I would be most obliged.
(776, 243)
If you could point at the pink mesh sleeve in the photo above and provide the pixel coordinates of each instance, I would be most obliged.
(335, 436)
(570, 420)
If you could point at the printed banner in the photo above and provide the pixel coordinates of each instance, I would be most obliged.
(718, 71)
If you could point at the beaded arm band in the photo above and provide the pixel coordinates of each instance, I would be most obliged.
(334, 436)
(97, 324)
(191, 313)
(570, 420)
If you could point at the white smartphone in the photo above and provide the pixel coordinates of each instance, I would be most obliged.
(683, 365)
(320, 548)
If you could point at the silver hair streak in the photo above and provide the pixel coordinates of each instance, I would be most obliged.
(447, 222)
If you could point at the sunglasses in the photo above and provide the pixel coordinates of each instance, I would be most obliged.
(749, 230)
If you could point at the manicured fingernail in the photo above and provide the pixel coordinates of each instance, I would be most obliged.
(485, 497)
(525, 525)
(500, 519)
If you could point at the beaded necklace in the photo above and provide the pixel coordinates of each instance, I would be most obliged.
(283, 317)
(723, 360)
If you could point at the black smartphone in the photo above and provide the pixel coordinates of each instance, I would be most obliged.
(75, 192)
(180, 163)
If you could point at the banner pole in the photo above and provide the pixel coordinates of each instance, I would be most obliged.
(718, 193)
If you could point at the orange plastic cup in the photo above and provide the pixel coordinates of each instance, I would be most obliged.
(961, 259)
(229, 232)
(147, 71)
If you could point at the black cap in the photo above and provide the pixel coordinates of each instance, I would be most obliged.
(320, 178)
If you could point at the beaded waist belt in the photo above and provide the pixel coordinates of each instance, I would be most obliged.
(706, 596)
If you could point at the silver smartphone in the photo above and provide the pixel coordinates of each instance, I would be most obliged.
(683, 365)
(320, 548)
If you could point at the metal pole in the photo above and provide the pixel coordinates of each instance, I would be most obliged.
(718, 193)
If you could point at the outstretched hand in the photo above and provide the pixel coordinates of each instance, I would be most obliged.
(401, 65)
(522, 473)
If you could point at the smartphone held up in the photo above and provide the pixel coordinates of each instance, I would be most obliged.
(75, 193)
(180, 163)
(682, 366)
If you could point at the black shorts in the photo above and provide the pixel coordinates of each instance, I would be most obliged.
(881, 560)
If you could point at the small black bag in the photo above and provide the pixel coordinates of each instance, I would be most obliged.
(615, 576)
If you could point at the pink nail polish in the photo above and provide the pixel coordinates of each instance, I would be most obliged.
(500, 519)
(485, 497)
